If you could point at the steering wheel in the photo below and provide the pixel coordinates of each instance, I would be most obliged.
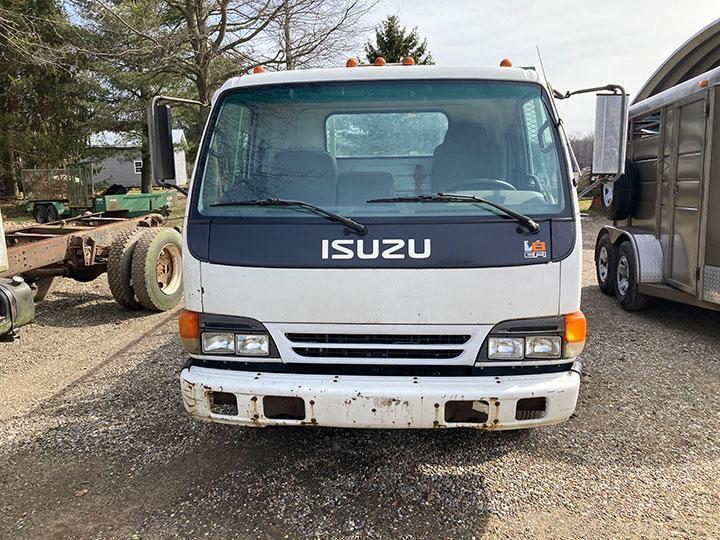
(480, 184)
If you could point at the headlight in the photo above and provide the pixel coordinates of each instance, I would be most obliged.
(506, 348)
(218, 343)
(543, 346)
(253, 345)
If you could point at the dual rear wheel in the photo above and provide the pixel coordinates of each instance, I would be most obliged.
(616, 269)
(145, 268)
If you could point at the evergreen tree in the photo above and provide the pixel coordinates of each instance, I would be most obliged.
(46, 96)
(393, 42)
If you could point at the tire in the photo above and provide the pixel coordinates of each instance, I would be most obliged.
(605, 263)
(618, 198)
(157, 268)
(40, 213)
(52, 213)
(626, 286)
(119, 269)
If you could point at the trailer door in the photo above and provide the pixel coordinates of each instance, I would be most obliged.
(686, 174)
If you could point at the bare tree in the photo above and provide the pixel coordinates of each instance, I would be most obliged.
(582, 146)
(314, 33)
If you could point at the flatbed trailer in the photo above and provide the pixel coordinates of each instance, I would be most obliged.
(142, 260)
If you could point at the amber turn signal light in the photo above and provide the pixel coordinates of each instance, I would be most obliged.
(505, 63)
(575, 327)
(189, 324)
(258, 69)
(351, 62)
(408, 61)
(379, 61)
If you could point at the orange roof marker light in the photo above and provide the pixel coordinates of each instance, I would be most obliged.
(258, 69)
(703, 83)
(505, 63)
(408, 61)
(351, 62)
(379, 61)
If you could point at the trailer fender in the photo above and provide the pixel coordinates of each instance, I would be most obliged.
(647, 248)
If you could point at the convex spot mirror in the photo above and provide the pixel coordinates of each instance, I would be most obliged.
(611, 116)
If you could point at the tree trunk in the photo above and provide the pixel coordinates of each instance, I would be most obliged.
(8, 169)
(146, 176)
(289, 60)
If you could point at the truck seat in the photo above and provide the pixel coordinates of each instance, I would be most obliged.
(355, 188)
(466, 152)
(309, 175)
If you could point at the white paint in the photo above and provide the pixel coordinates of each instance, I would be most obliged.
(383, 296)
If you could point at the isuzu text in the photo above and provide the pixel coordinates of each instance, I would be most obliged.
(390, 246)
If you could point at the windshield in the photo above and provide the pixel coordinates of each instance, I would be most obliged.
(340, 145)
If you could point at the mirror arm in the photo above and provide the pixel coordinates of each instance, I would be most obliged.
(614, 88)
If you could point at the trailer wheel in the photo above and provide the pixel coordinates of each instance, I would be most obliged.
(40, 213)
(605, 263)
(618, 198)
(626, 286)
(119, 268)
(52, 213)
(157, 268)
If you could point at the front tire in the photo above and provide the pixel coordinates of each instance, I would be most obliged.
(157, 269)
(605, 263)
(626, 285)
(119, 269)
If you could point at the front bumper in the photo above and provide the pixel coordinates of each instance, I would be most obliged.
(382, 401)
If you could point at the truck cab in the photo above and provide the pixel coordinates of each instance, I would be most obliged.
(382, 247)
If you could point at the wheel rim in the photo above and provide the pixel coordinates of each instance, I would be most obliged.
(607, 193)
(168, 269)
(623, 275)
(603, 266)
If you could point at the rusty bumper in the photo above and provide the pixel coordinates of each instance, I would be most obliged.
(381, 402)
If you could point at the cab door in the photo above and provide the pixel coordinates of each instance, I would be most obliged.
(687, 159)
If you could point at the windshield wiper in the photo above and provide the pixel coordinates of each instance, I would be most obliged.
(524, 220)
(349, 223)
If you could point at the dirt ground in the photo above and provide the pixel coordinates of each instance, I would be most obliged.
(95, 443)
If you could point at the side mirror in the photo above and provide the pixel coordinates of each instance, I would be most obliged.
(4, 263)
(162, 155)
(611, 119)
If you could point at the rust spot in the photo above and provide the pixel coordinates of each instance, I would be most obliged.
(497, 403)
(435, 423)
(312, 402)
(374, 410)
(496, 421)
(437, 405)
(254, 398)
(313, 421)
(256, 416)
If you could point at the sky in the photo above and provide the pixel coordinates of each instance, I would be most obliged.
(584, 43)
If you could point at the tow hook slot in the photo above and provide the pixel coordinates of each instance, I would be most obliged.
(283, 408)
(223, 403)
(530, 408)
(467, 412)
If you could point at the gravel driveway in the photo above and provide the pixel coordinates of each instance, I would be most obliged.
(95, 443)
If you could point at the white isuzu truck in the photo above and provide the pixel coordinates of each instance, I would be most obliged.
(387, 246)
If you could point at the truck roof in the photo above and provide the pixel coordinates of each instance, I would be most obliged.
(375, 73)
